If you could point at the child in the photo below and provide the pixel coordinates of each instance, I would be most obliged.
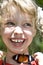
(18, 20)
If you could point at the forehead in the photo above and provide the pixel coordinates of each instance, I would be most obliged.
(13, 12)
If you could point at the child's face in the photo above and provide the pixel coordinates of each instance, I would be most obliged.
(18, 31)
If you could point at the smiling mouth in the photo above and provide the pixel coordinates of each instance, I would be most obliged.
(17, 42)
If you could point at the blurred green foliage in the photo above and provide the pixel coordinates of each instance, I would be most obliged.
(37, 44)
(2, 46)
(39, 3)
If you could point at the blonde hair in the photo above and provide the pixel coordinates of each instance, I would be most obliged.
(27, 6)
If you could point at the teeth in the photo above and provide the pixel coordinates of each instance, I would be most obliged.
(14, 40)
(17, 40)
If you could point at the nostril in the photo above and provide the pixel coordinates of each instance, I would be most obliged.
(16, 34)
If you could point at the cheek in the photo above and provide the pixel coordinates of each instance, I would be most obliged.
(28, 32)
(29, 35)
(8, 30)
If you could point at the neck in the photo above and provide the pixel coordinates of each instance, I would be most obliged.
(9, 57)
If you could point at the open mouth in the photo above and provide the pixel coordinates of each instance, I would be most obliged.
(17, 41)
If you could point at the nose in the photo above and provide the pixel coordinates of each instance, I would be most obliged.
(17, 33)
(18, 30)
